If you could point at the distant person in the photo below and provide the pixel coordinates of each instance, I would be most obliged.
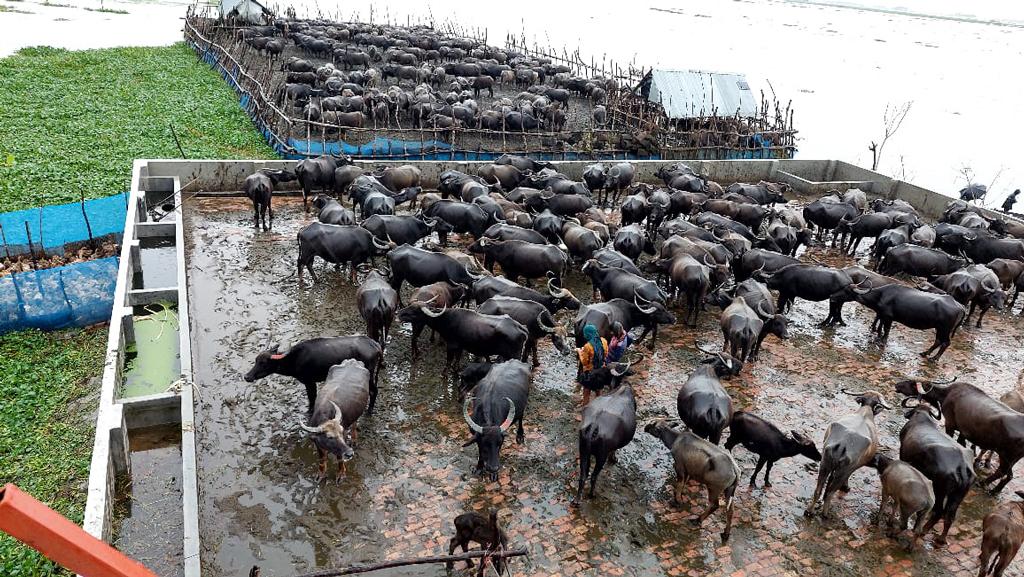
(619, 343)
(1010, 201)
(593, 356)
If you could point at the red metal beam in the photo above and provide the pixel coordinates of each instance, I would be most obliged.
(60, 540)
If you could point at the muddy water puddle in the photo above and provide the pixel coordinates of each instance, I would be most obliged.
(261, 503)
(148, 519)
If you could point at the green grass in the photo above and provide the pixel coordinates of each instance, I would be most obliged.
(73, 121)
(46, 426)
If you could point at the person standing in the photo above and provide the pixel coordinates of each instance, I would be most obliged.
(1010, 200)
(592, 355)
(619, 343)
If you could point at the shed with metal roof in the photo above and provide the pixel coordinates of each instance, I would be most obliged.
(695, 93)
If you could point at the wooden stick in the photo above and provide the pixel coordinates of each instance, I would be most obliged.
(88, 227)
(356, 569)
(42, 248)
(31, 250)
(3, 235)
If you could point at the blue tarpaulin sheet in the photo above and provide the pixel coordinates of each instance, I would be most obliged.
(75, 295)
(63, 223)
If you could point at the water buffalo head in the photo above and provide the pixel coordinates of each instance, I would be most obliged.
(915, 387)
(557, 333)
(720, 297)
(725, 364)
(871, 399)
(330, 436)
(279, 175)
(488, 439)
(777, 324)
(655, 312)
(267, 363)
(919, 405)
(562, 298)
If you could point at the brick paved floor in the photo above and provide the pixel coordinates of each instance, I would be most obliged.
(261, 503)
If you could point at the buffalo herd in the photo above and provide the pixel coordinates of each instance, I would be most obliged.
(357, 75)
(687, 245)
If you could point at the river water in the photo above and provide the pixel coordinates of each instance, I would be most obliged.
(841, 67)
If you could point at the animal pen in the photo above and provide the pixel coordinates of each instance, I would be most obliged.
(196, 472)
(634, 128)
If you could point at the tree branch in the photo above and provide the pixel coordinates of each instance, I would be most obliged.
(356, 569)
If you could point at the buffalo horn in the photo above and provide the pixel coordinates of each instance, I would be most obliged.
(432, 314)
(379, 243)
(726, 361)
(469, 418)
(762, 310)
(852, 393)
(711, 264)
(507, 423)
(855, 287)
(337, 416)
(309, 429)
(543, 327)
(705, 351)
(646, 311)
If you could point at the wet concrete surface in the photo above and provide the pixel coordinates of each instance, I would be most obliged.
(261, 503)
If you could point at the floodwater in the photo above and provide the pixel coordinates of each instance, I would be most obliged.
(82, 24)
(261, 503)
(841, 67)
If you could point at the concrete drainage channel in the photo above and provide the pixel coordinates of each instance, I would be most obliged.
(261, 503)
(142, 481)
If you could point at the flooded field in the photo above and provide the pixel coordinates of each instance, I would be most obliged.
(261, 503)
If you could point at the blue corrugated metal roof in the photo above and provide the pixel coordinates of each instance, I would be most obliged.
(690, 93)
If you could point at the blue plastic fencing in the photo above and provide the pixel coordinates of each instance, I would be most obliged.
(64, 223)
(75, 295)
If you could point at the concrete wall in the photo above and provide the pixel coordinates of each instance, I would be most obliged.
(811, 177)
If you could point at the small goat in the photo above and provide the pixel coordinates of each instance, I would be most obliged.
(711, 465)
(910, 492)
(1002, 534)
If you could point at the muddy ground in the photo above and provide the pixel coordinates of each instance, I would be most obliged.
(261, 503)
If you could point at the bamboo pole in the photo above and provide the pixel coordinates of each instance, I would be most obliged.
(31, 250)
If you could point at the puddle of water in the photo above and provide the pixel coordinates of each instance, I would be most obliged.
(148, 518)
(262, 505)
(153, 362)
(159, 264)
